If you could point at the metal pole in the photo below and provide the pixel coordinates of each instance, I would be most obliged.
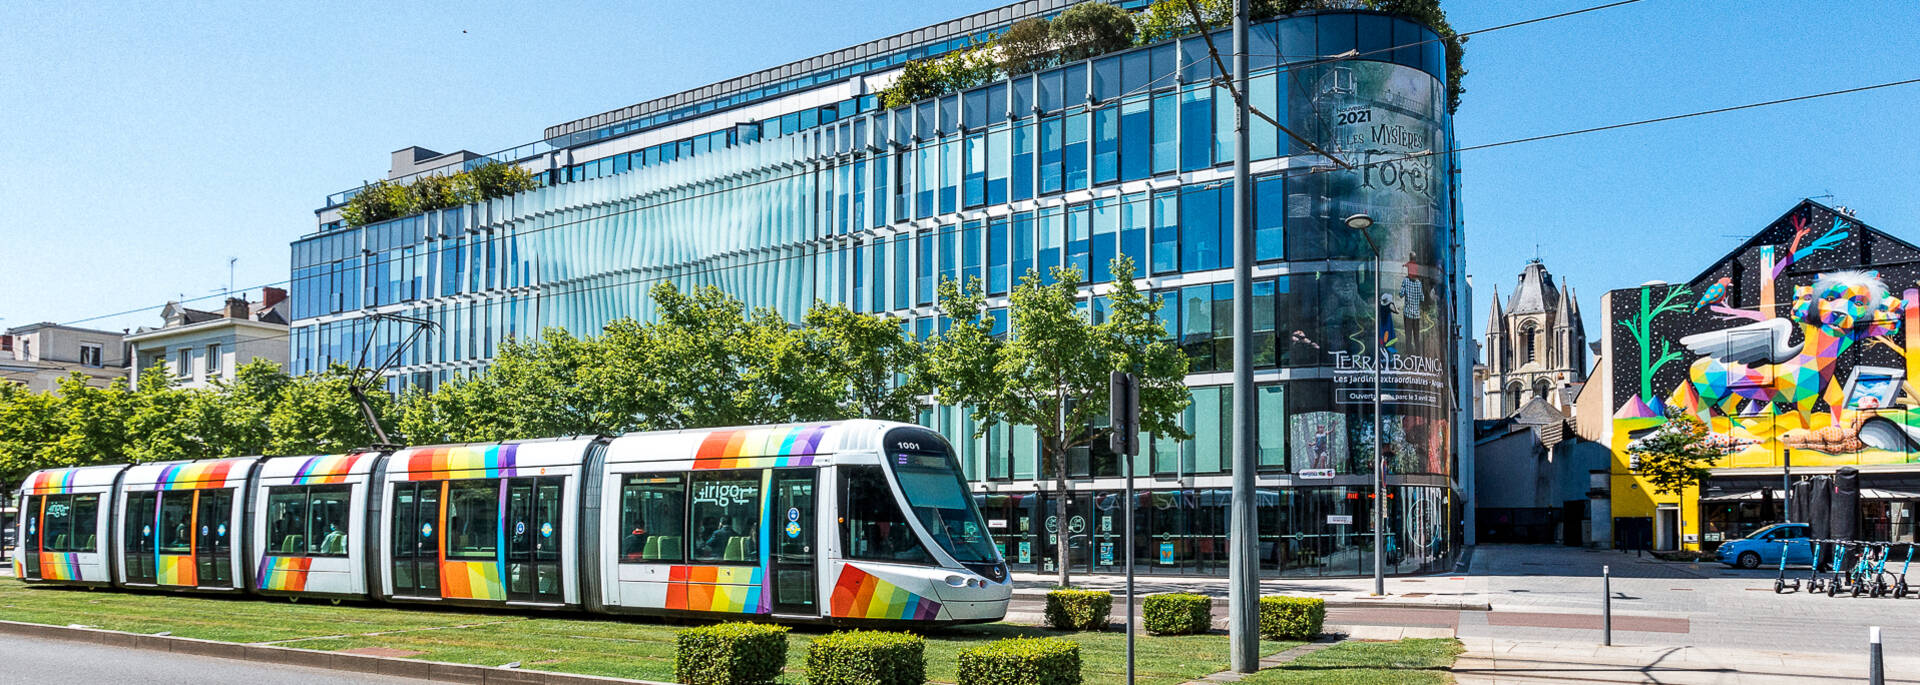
(1876, 664)
(1606, 605)
(1379, 468)
(1129, 505)
(1786, 484)
(1244, 573)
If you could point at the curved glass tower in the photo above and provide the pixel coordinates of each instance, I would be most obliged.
(792, 185)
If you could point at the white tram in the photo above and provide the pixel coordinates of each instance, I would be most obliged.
(843, 522)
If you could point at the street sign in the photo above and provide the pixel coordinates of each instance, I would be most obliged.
(1316, 473)
(1339, 520)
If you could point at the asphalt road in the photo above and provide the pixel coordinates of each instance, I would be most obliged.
(32, 661)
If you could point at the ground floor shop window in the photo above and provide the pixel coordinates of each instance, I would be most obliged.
(1322, 531)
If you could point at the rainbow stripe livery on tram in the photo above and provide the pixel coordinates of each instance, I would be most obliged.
(843, 522)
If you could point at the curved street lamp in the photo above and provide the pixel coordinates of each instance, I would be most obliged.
(1361, 222)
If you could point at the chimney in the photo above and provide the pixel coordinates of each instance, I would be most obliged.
(236, 308)
(270, 297)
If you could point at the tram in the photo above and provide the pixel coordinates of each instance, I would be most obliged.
(849, 522)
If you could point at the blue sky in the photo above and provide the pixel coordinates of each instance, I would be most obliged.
(148, 144)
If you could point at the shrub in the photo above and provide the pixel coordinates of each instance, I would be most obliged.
(499, 179)
(436, 191)
(936, 76)
(377, 201)
(1021, 661)
(730, 654)
(1177, 613)
(1070, 609)
(867, 657)
(1291, 618)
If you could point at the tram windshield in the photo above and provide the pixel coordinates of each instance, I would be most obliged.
(938, 496)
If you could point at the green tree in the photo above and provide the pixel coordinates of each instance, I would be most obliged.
(95, 422)
(30, 422)
(868, 365)
(243, 404)
(1025, 47)
(442, 191)
(166, 423)
(1051, 370)
(1091, 29)
(1675, 456)
(318, 415)
(711, 362)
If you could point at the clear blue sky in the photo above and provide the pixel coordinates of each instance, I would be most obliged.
(146, 145)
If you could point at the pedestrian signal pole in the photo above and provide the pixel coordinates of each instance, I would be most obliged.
(1124, 406)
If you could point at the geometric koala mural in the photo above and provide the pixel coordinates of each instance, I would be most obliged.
(1805, 337)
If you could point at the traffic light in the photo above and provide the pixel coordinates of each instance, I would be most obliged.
(1124, 412)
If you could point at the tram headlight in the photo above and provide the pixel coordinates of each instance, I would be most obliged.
(957, 581)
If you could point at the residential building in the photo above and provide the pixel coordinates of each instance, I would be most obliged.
(1536, 347)
(39, 355)
(199, 347)
(793, 184)
(1796, 349)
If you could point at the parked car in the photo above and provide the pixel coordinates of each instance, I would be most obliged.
(1764, 547)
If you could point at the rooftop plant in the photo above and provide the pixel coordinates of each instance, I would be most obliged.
(382, 200)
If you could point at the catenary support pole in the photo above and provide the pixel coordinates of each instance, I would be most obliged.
(1244, 593)
(1606, 605)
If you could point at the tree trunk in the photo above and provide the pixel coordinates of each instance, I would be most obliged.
(1060, 513)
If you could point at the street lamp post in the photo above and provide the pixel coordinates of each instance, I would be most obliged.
(1361, 223)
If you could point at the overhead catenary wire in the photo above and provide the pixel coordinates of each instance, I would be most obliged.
(1297, 64)
(1303, 172)
(428, 254)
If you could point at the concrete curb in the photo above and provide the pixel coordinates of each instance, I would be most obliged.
(336, 661)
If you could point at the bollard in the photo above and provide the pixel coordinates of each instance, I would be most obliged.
(1606, 605)
(1875, 666)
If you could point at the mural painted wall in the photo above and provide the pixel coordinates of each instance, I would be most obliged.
(1798, 340)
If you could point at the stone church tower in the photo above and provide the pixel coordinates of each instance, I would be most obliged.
(1536, 346)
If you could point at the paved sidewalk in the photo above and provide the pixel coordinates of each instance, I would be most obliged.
(1494, 660)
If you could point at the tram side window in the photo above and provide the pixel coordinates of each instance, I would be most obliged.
(308, 521)
(68, 523)
(473, 519)
(872, 526)
(176, 515)
(86, 523)
(653, 518)
(726, 517)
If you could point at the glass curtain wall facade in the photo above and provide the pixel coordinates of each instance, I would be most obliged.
(825, 195)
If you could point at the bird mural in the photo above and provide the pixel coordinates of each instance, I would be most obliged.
(1715, 294)
(1758, 363)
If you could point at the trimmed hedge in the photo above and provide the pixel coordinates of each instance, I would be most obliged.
(867, 657)
(1177, 613)
(1021, 661)
(1071, 609)
(730, 654)
(1291, 618)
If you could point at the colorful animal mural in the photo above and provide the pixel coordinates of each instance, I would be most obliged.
(1798, 340)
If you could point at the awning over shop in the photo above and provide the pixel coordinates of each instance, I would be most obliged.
(1765, 493)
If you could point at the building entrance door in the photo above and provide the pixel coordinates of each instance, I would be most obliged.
(1666, 529)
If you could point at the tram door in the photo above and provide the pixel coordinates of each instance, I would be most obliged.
(795, 560)
(28, 535)
(533, 539)
(416, 539)
(212, 550)
(137, 540)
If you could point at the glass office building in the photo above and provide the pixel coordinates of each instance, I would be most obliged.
(793, 184)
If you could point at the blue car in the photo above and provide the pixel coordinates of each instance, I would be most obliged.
(1764, 547)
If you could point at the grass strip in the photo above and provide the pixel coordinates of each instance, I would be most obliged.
(1411, 661)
